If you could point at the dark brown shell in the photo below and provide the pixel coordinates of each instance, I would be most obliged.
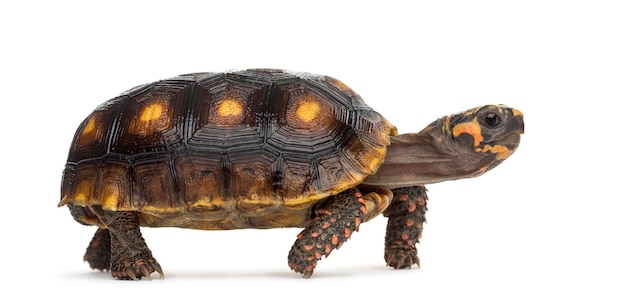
(252, 148)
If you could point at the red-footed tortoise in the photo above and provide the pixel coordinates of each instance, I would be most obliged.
(265, 148)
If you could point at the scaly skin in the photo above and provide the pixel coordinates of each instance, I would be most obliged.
(332, 224)
(406, 216)
(98, 253)
(130, 256)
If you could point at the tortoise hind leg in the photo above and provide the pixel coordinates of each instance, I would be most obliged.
(406, 216)
(331, 224)
(98, 253)
(130, 256)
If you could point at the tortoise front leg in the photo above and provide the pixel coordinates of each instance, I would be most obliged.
(406, 215)
(130, 256)
(332, 223)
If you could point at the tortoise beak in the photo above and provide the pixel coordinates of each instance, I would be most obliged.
(518, 120)
(516, 127)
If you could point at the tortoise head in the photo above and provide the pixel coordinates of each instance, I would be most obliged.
(492, 130)
(466, 144)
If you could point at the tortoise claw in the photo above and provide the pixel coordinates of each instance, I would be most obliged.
(139, 269)
(158, 269)
(144, 270)
(130, 273)
(401, 259)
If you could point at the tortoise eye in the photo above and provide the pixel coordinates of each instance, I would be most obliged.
(492, 120)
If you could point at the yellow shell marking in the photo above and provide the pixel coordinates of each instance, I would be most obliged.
(90, 127)
(151, 112)
(472, 128)
(111, 197)
(308, 110)
(82, 194)
(91, 131)
(230, 107)
(151, 118)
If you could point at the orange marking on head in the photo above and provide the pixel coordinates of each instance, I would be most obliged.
(517, 112)
(500, 151)
(472, 128)
(446, 123)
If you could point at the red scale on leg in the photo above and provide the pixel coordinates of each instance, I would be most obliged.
(332, 224)
(405, 217)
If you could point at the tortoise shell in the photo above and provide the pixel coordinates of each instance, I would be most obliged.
(244, 149)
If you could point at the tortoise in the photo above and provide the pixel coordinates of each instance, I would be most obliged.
(265, 148)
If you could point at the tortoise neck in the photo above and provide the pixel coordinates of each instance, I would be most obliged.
(427, 157)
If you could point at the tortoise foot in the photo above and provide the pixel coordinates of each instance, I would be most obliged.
(137, 269)
(401, 259)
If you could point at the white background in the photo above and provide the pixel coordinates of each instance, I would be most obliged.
(547, 226)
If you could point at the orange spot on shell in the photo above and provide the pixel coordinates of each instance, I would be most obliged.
(404, 236)
(318, 255)
(410, 222)
(325, 225)
(315, 234)
(421, 202)
(308, 247)
(404, 197)
(90, 127)
(335, 240)
(230, 107)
